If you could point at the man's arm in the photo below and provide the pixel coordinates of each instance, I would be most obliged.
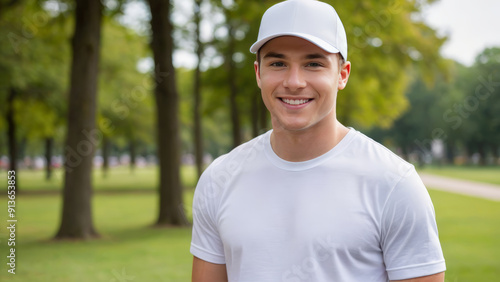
(439, 277)
(204, 271)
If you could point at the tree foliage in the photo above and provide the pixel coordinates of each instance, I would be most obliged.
(461, 109)
(125, 94)
(32, 73)
(386, 39)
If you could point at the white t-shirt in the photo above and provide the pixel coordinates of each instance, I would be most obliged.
(356, 213)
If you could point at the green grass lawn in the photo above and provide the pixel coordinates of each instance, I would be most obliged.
(131, 250)
(469, 229)
(129, 246)
(488, 174)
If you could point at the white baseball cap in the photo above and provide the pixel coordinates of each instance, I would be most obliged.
(311, 20)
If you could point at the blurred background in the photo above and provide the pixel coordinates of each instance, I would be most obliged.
(110, 110)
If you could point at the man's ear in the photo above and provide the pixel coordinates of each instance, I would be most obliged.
(344, 75)
(257, 72)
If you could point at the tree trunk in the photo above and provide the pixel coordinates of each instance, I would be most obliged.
(469, 151)
(450, 153)
(105, 156)
(171, 210)
(198, 135)
(49, 145)
(482, 154)
(11, 131)
(233, 89)
(133, 153)
(83, 136)
(494, 151)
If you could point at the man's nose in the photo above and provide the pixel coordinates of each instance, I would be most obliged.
(294, 79)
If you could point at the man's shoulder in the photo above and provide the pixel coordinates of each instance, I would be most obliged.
(376, 157)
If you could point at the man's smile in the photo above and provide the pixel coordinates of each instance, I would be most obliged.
(295, 101)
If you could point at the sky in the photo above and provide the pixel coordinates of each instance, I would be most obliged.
(471, 26)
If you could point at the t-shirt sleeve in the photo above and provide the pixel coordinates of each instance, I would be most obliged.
(206, 243)
(410, 241)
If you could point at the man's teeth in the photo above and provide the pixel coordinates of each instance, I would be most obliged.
(295, 102)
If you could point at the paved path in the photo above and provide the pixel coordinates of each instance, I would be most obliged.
(459, 186)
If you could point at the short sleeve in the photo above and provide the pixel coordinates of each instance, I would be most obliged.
(206, 243)
(410, 241)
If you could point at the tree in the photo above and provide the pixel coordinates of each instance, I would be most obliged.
(31, 91)
(170, 190)
(460, 108)
(11, 131)
(386, 40)
(7, 4)
(230, 67)
(125, 98)
(412, 131)
(82, 136)
(479, 109)
(256, 114)
(231, 86)
(197, 129)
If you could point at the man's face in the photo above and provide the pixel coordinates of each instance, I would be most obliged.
(299, 83)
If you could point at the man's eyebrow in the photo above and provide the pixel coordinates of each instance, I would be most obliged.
(307, 57)
(274, 55)
(315, 56)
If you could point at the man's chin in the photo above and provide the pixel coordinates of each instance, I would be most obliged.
(294, 126)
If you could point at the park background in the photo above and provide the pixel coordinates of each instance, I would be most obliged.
(139, 96)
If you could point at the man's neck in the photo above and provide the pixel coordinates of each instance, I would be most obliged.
(307, 144)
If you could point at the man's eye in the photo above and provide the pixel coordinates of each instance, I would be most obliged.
(277, 64)
(313, 64)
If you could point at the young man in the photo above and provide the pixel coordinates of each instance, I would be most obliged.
(311, 200)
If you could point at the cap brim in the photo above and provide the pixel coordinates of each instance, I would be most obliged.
(313, 39)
